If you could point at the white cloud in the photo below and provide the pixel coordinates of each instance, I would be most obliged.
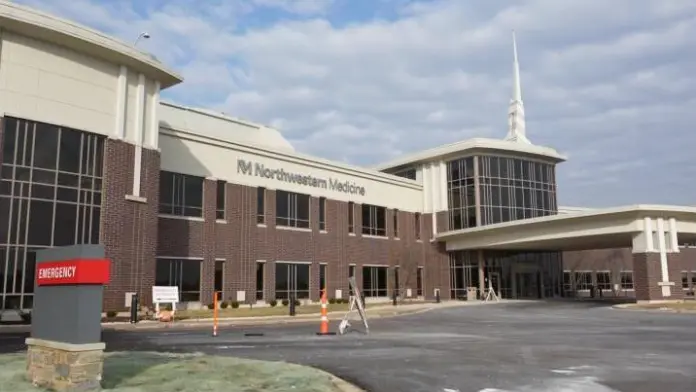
(608, 83)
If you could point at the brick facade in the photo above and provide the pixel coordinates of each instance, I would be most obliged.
(129, 227)
(241, 242)
(645, 267)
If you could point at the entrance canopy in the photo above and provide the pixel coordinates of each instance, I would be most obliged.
(591, 229)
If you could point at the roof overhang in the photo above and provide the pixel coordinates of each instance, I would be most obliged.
(476, 146)
(592, 229)
(35, 24)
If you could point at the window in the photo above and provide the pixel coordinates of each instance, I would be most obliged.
(374, 281)
(260, 281)
(351, 217)
(604, 280)
(396, 223)
(461, 194)
(322, 213)
(685, 280)
(513, 188)
(292, 209)
(374, 220)
(261, 205)
(627, 280)
(567, 281)
(351, 274)
(50, 195)
(220, 204)
(219, 275)
(419, 282)
(291, 280)
(418, 225)
(185, 274)
(408, 173)
(693, 279)
(181, 194)
(583, 280)
(322, 279)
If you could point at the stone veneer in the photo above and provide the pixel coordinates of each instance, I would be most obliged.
(65, 367)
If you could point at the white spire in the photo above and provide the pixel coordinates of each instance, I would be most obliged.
(516, 123)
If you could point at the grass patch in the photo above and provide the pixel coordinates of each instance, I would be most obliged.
(155, 372)
(677, 306)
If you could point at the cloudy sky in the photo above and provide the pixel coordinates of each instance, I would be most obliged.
(608, 83)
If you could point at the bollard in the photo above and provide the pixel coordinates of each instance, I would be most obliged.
(291, 305)
(437, 296)
(215, 313)
(134, 308)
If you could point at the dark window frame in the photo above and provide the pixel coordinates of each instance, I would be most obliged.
(220, 202)
(181, 194)
(395, 223)
(261, 205)
(376, 223)
(175, 275)
(417, 225)
(322, 213)
(351, 217)
(297, 210)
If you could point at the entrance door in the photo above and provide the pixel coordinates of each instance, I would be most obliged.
(527, 285)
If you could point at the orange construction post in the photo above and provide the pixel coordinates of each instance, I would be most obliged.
(324, 326)
(215, 313)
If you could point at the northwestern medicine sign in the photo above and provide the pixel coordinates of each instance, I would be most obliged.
(259, 169)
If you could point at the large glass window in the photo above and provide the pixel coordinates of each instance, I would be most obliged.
(627, 280)
(463, 273)
(583, 280)
(374, 281)
(513, 189)
(292, 209)
(184, 274)
(461, 194)
(181, 194)
(604, 280)
(291, 280)
(50, 195)
(374, 220)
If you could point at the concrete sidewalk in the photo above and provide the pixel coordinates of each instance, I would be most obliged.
(373, 312)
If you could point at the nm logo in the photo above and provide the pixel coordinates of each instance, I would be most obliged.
(244, 167)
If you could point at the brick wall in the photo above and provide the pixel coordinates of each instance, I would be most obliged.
(241, 242)
(129, 231)
(645, 267)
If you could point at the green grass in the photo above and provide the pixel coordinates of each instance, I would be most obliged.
(688, 306)
(245, 311)
(154, 372)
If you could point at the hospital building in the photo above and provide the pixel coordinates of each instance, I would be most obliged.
(187, 197)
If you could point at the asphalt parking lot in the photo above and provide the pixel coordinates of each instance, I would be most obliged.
(515, 347)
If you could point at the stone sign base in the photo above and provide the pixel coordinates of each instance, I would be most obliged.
(65, 367)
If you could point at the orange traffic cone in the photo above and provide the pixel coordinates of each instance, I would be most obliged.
(324, 326)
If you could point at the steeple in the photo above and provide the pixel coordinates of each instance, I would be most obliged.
(516, 123)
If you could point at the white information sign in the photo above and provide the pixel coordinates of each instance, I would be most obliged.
(165, 295)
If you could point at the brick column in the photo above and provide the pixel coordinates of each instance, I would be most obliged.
(129, 224)
(656, 274)
(209, 239)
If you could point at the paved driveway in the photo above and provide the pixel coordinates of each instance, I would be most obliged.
(573, 347)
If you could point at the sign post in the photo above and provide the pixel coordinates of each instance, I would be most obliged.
(356, 303)
(165, 295)
(65, 351)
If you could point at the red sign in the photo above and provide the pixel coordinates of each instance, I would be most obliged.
(75, 271)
